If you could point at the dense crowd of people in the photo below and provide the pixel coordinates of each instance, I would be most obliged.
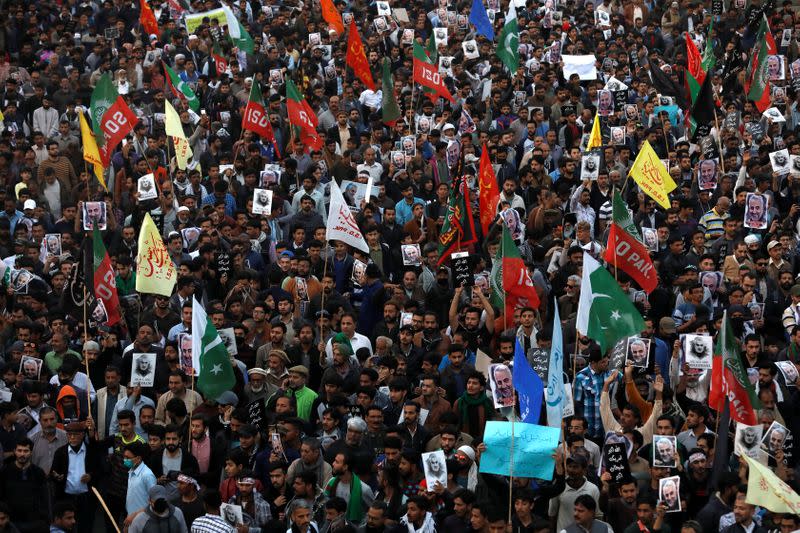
(362, 379)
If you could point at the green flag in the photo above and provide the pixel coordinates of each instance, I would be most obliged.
(709, 59)
(181, 89)
(390, 111)
(622, 217)
(508, 44)
(216, 369)
(430, 47)
(605, 313)
(243, 41)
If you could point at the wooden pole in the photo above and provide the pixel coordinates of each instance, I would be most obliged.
(105, 508)
(236, 152)
(85, 336)
(322, 294)
(511, 460)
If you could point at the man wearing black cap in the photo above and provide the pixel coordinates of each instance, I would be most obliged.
(158, 515)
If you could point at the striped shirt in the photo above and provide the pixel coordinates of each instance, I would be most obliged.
(713, 224)
(211, 523)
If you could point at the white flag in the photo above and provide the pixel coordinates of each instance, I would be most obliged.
(341, 222)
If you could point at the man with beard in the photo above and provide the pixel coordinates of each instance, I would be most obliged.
(477, 335)
(161, 316)
(47, 440)
(650, 516)
(23, 486)
(171, 460)
(621, 510)
(297, 389)
(310, 461)
(306, 353)
(256, 387)
(389, 326)
(342, 485)
(562, 507)
(278, 491)
(697, 481)
(210, 453)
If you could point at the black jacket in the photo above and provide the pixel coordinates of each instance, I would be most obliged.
(60, 468)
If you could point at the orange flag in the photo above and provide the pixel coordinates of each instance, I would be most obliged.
(148, 19)
(488, 190)
(332, 16)
(357, 58)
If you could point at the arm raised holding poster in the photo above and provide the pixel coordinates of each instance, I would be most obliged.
(533, 449)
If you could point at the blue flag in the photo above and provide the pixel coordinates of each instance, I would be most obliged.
(555, 394)
(480, 19)
(529, 387)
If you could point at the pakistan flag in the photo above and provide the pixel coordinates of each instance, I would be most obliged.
(605, 313)
(508, 43)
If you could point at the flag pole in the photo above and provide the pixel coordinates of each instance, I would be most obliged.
(105, 508)
(85, 336)
(613, 190)
(511, 459)
(719, 142)
(241, 135)
(322, 294)
(505, 309)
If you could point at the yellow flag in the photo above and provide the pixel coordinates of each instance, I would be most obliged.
(172, 121)
(769, 491)
(651, 175)
(595, 139)
(173, 128)
(90, 152)
(155, 271)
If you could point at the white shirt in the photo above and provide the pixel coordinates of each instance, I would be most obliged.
(80, 380)
(375, 170)
(371, 98)
(358, 341)
(76, 470)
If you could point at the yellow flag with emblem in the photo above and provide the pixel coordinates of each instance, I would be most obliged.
(651, 175)
(90, 152)
(595, 139)
(155, 271)
(173, 128)
(769, 491)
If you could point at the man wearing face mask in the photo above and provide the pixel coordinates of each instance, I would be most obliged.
(140, 478)
(158, 515)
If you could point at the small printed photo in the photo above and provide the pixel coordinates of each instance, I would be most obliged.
(146, 187)
(408, 145)
(314, 39)
(590, 166)
(347, 18)
(794, 166)
(446, 65)
(30, 367)
(440, 36)
(669, 492)
(232, 514)
(707, 175)
(228, 338)
(424, 125)
(501, 385)
(189, 237)
(383, 9)
(270, 175)
(774, 439)
(380, 24)
(794, 68)
(407, 37)
(411, 254)
(143, 369)
(617, 135)
(435, 467)
(698, 350)
(789, 372)
(262, 202)
(755, 210)
(632, 112)
(52, 245)
(747, 440)
(398, 159)
(359, 276)
(275, 77)
(778, 98)
(638, 351)
(711, 281)
(664, 450)
(775, 68)
(94, 211)
(605, 103)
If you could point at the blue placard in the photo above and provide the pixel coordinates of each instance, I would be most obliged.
(533, 449)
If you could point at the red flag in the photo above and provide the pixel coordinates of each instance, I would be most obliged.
(509, 278)
(332, 16)
(630, 255)
(256, 117)
(148, 19)
(302, 116)
(105, 282)
(220, 63)
(756, 83)
(357, 58)
(428, 75)
(729, 379)
(694, 60)
(488, 190)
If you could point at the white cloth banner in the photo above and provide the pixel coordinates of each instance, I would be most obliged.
(584, 66)
(341, 222)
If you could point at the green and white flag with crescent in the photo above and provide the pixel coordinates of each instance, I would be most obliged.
(209, 355)
(605, 313)
(508, 44)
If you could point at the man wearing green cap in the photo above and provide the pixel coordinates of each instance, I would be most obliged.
(349, 336)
